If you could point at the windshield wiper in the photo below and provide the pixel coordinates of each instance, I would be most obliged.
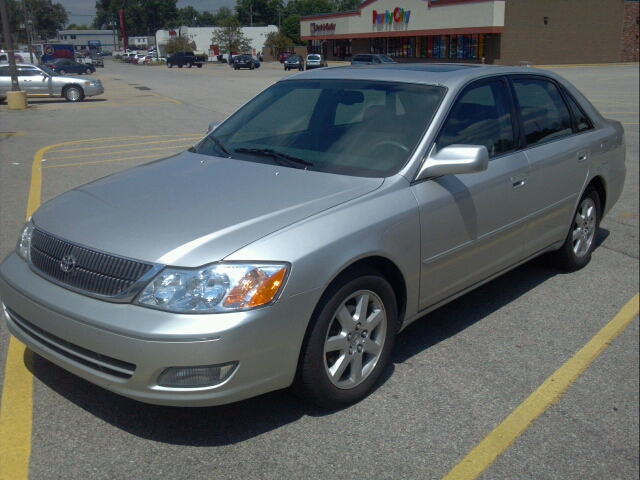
(267, 152)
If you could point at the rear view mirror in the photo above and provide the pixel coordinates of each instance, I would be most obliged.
(350, 97)
(455, 160)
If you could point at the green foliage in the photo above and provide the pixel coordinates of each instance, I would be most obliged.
(308, 7)
(179, 44)
(47, 18)
(291, 28)
(259, 12)
(229, 37)
(74, 26)
(278, 42)
(141, 17)
(345, 5)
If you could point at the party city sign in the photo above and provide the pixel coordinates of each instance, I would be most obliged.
(399, 15)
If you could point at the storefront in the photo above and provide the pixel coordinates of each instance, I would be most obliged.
(473, 31)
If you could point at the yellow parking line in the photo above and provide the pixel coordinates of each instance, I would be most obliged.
(115, 153)
(549, 393)
(120, 145)
(82, 164)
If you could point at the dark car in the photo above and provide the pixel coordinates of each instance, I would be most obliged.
(294, 61)
(371, 59)
(186, 59)
(284, 56)
(64, 66)
(244, 61)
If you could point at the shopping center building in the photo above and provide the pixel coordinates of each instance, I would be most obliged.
(505, 32)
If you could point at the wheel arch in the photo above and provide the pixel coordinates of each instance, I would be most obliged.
(599, 185)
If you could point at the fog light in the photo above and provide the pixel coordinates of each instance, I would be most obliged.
(194, 377)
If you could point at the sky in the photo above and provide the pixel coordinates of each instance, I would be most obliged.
(84, 11)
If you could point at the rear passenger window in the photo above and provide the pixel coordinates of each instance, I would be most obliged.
(544, 114)
(581, 120)
(480, 117)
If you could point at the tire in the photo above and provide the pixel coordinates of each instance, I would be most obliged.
(179, 66)
(252, 67)
(577, 248)
(199, 65)
(169, 65)
(88, 71)
(62, 72)
(188, 64)
(73, 94)
(343, 356)
(285, 69)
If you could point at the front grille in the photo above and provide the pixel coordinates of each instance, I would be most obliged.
(102, 363)
(94, 272)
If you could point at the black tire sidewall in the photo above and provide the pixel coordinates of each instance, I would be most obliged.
(565, 257)
(313, 377)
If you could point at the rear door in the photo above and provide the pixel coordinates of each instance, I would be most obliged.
(472, 225)
(33, 81)
(559, 159)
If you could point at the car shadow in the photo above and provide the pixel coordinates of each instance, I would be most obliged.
(238, 422)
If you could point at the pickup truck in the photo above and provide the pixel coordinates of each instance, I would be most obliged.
(188, 59)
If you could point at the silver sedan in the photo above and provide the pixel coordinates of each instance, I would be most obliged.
(291, 245)
(39, 81)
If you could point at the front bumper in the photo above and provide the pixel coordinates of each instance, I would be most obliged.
(99, 340)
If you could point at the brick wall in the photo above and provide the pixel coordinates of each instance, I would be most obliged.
(629, 46)
(576, 31)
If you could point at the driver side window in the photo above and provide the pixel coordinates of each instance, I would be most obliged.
(481, 116)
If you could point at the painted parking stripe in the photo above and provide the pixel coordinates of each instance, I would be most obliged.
(549, 393)
(16, 407)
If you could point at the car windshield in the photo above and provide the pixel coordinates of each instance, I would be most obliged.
(358, 128)
(386, 59)
(293, 58)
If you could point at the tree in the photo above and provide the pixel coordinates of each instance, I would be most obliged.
(259, 12)
(141, 17)
(74, 26)
(278, 42)
(291, 28)
(308, 7)
(46, 17)
(345, 5)
(229, 37)
(179, 44)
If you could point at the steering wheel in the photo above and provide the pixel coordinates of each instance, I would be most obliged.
(390, 143)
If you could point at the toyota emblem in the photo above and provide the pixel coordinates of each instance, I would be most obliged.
(68, 263)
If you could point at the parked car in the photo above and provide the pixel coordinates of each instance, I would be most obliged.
(106, 53)
(315, 60)
(284, 56)
(64, 66)
(39, 81)
(187, 59)
(294, 61)
(97, 60)
(295, 240)
(371, 59)
(243, 61)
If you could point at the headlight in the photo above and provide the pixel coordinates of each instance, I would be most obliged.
(24, 243)
(224, 287)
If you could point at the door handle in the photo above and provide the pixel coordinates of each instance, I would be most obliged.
(518, 180)
(582, 155)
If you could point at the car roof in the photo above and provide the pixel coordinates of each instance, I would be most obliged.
(446, 74)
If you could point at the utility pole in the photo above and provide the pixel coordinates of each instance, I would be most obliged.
(27, 26)
(251, 15)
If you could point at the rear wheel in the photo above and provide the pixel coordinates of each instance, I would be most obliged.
(576, 251)
(350, 340)
(62, 72)
(74, 94)
(188, 64)
(88, 71)
(179, 66)
(169, 65)
(199, 65)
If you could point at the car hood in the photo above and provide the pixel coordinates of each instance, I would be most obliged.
(191, 209)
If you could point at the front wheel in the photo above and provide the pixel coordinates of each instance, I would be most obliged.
(199, 65)
(74, 94)
(188, 64)
(169, 65)
(88, 71)
(62, 72)
(349, 341)
(576, 251)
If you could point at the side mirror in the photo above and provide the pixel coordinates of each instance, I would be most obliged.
(455, 160)
(213, 126)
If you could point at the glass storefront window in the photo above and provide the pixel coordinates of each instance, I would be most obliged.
(433, 46)
(379, 45)
(342, 48)
(400, 47)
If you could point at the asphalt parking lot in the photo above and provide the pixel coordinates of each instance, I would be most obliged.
(455, 376)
